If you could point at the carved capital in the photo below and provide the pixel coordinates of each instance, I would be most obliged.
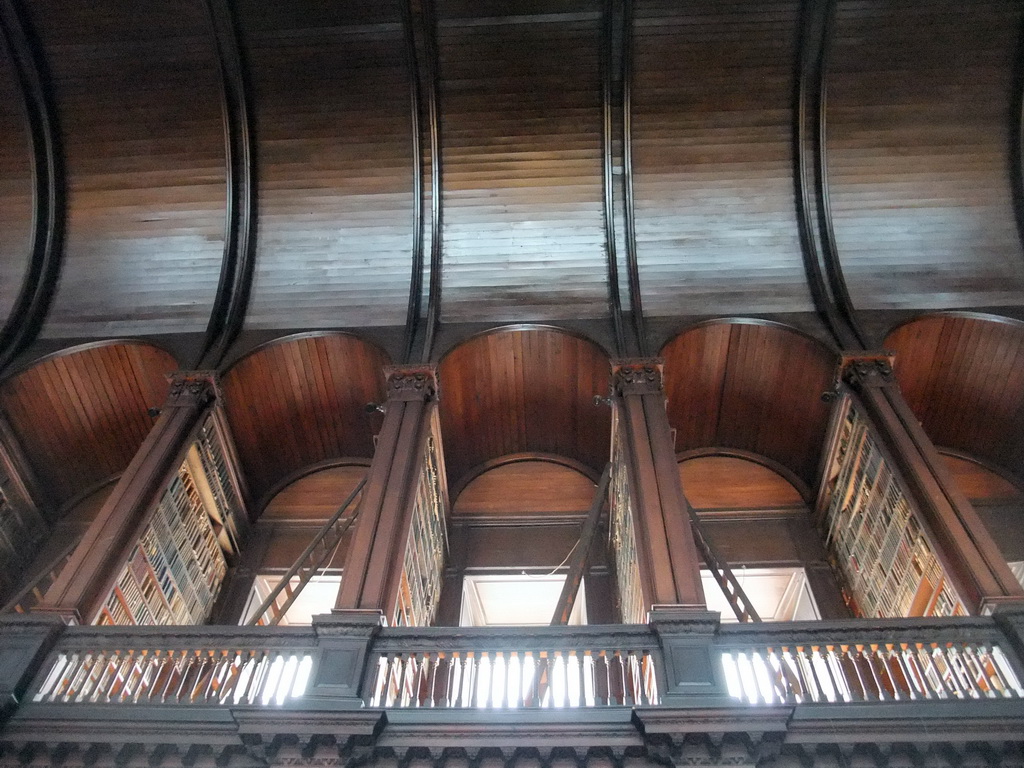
(867, 369)
(638, 376)
(190, 387)
(411, 382)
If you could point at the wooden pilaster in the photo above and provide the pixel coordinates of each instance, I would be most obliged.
(375, 556)
(668, 559)
(78, 591)
(966, 548)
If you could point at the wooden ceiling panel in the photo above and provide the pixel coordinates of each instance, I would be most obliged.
(137, 91)
(80, 416)
(314, 497)
(524, 234)
(525, 488)
(331, 89)
(716, 225)
(980, 484)
(728, 483)
(15, 189)
(918, 114)
(750, 386)
(301, 401)
(523, 391)
(963, 376)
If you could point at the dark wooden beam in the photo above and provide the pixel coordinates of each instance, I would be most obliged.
(431, 62)
(232, 300)
(1017, 136)
(608, 27)
(412, 317)
(46, 244)
(633, 267)
(810, 174)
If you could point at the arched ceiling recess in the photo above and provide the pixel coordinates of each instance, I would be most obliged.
(524, 488)
(753, 386)
(523, 390)
(81, 414)
(137, 93)
(963, 376)
(313, 497)
(736, 484)
(301, 401)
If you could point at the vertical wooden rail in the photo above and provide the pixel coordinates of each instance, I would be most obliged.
(83, 583)
(967, 551)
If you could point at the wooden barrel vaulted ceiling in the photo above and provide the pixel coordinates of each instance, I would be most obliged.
(523, 392)
(753, 387)
(80, 416)
(963, 375)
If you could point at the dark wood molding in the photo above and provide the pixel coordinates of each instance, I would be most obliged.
(238, 265)
(633, 268)
(412, 317)
(810, 175)
(607, 46)
(46, 244)
(431, 61)
(1016, 138)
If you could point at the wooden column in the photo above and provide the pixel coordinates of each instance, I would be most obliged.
(666, 553)
(375, 557)
(966, 548)
(77, 593)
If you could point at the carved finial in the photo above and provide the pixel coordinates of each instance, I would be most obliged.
(639, 376)
(867, 369)
(408, 382)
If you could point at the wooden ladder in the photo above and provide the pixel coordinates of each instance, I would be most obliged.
(723, 574)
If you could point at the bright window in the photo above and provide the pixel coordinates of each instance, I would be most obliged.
(317, 597)
(778, 594)
(515, 600)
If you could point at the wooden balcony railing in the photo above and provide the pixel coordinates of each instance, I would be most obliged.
(820, 663)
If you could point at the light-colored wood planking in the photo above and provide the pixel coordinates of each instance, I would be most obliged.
(521, 131)
(82, 415)
(15, 189)
(523, 391)
(137, 94)
(533, 488)
(750, 386)
(734, 484)
(302, 401)
(964, 378)
(336, 174)
(918, 132)
(315, 497)
(716, 225)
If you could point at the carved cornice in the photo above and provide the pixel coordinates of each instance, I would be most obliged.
(411, 382)
(862, 370)
(638, 376)
(191, 387)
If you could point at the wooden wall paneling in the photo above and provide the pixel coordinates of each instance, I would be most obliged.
(529, 487)
(31, 186)
(712, 157)
(336, 174)
(238, 263)
(751, 386)
(963, 376)
(301, 401)
(81, 416)
(521, 119)
(919, 113)
(520, 392)
(137, 93)
(730, 483)
(980, 484)
(314, 497)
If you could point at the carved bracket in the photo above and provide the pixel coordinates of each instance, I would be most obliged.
(638, 376)
(867, 369)
(190, 387)
(411, 382)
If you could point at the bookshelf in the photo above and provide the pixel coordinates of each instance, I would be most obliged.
(622, 535)
(176, 569)
(423, 567)
(875, 537)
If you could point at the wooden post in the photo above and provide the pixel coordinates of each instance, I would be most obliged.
(78, 592)
(966, 548)
(373, 566)
(666, 553)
